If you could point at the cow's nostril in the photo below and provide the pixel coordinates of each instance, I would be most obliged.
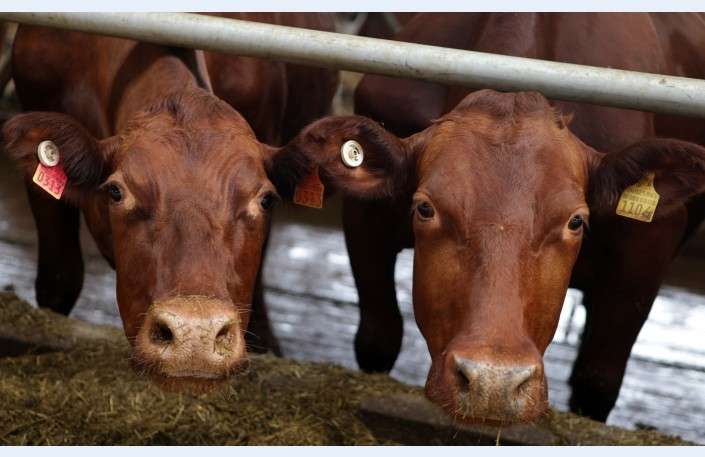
(161, 333)
(486, 377)
(463, 382)
(467, 371)
(223, 333)
(521, 377)
(224, 337)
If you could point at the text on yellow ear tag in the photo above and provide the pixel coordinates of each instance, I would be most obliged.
(639, 200)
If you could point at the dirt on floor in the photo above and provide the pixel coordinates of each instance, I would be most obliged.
(88, 394)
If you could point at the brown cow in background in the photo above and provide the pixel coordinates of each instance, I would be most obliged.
(622, 262)
(278, 99)
(173, 184)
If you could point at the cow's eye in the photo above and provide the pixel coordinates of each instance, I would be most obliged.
(114, 192)
(425, 210)
(268, 201)
(576, 222)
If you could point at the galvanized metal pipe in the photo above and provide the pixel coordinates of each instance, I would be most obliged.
(604, 86)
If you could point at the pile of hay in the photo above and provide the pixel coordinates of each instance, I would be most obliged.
(89, 395)
(23, 326)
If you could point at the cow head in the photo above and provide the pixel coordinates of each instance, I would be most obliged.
(502, 193)
(179, 201)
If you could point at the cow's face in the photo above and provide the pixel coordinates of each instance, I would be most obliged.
(499, 212)
(183, 197)
(501, 194)
(188, 202)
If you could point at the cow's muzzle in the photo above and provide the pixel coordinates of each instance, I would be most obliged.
(499, 392)
(484, 385)
(190, 341)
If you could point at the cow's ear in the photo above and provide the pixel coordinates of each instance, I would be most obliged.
(678, 169)
(83, 158)
(382, 171)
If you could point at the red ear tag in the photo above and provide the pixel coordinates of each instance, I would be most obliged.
(309, 191)
(51, 179)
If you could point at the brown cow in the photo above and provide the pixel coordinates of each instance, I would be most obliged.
(622, 263)
(173, 184)
(498, 194)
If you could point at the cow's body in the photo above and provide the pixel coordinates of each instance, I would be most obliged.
(277, 98)
(115, 94)
(622, 263)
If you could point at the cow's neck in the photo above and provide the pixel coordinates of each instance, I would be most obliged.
(514, 34)
(148, 81)
(509, 34)
(582, 38)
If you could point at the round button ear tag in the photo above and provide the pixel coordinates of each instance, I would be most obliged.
(352, 154)
(48, 153)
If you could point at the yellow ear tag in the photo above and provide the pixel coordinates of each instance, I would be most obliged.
(639, 200)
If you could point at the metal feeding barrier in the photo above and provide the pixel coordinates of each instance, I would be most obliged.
(561, 81)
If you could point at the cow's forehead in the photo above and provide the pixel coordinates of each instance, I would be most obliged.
(162, 156)
(502, 171)
(161, 138)
(524, 154)
(163, 126)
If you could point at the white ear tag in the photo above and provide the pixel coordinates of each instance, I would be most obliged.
(49, 175)
(48, 153)
(352, 154)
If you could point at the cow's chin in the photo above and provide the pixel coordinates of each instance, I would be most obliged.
(466, 412)
(447, 391)
(189, 384)
(195, 381)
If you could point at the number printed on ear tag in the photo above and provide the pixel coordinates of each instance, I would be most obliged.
(309, 192)
(639, 201)
(51, 179)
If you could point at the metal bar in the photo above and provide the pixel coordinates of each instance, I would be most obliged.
(604, 86)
